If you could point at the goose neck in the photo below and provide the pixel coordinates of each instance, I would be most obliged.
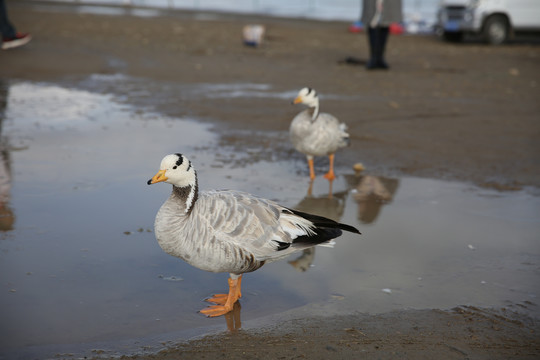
(315, 112)
(187, 196)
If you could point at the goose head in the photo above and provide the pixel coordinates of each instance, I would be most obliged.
(175, 169)
(307, 96)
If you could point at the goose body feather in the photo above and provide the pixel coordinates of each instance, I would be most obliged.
(230, 231)
(320, 137)
(314, 133)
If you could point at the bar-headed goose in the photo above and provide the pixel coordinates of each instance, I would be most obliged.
(230, 231)
(316, 134)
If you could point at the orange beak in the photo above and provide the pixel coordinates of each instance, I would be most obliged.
(159, 177)
(298, 100)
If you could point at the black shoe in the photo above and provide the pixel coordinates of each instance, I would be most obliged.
(377, 65)
(381, 64)
(372, 64)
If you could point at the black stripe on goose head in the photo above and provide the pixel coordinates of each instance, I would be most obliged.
(179, 161)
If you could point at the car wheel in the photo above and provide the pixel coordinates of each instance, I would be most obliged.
(496, 30)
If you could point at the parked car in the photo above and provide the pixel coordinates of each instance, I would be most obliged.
(496, 21)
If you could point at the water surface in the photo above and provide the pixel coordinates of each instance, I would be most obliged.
(80, 268)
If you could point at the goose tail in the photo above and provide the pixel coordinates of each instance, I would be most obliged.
(322, 230)
(345, 137)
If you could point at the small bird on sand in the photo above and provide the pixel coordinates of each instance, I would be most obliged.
(316, 134)
(230, 231)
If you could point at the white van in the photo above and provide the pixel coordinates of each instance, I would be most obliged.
(495, 20)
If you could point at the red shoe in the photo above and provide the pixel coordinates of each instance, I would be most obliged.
(20, 39)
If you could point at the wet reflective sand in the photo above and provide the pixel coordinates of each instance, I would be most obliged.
(80, 266)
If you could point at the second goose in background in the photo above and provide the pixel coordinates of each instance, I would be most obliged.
(317, 134)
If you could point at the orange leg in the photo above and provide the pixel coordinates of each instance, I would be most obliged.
(311, 168)
(330, 193)
(330, 174)
(221, 299)
(225, 302)
(310, 188)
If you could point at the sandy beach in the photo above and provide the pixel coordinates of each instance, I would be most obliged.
(465, 112)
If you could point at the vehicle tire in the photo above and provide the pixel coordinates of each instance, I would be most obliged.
(496, 30)
(452, 36)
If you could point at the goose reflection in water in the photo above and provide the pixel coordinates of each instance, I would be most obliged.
(329, 205)
(232, 318)
(371, 193)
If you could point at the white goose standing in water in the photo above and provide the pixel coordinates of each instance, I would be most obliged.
(317, 134)
(230, 231)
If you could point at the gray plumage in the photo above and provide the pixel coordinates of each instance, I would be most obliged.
(314, 133)
(225, 231)
(231, 231)
(320, 137)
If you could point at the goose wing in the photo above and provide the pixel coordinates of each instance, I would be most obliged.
(321, 137)
(262, 227)
(332, 125)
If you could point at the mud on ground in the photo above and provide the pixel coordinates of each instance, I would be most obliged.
(461, 333)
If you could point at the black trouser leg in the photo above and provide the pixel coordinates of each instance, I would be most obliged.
(373, 43)
(377, 37)
(382, 38)
(6, 29)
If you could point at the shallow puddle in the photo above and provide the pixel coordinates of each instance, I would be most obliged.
(80, 269)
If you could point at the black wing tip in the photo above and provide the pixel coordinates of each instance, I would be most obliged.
(282, 245)
(321, 221)
(321, 236)
(349, 228)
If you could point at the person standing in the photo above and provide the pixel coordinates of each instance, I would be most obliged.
(377, 15)
(10, 37)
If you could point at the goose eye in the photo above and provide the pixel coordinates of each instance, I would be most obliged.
(174, 167)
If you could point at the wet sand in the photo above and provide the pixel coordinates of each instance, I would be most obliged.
(466, 112)
(462, 333)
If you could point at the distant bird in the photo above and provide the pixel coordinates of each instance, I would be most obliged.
(316, 134)
(230, 231)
